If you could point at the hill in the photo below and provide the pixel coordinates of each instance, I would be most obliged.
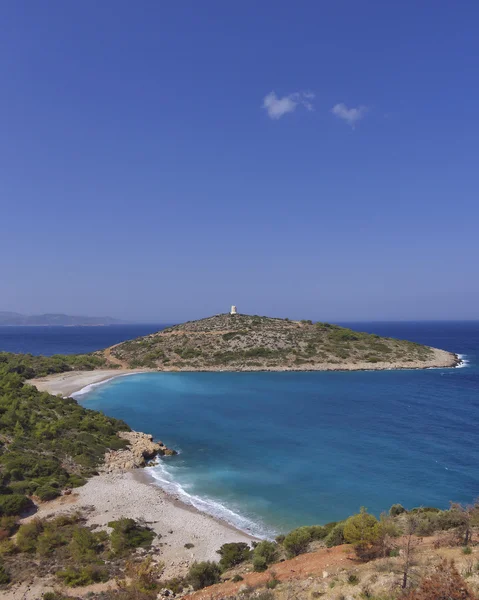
(252, 343)
(12, 319)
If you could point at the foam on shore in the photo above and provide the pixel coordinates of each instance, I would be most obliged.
(164, 478)
(91, 386)
(464, 361)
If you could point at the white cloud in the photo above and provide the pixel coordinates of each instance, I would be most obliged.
(350, 115)
(277, 107)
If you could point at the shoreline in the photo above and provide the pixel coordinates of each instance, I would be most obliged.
(137, 494)
(111, 496)
(75, 383)
(145, 478)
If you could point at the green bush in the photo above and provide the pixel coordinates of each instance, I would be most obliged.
(297, 541)
(260, 564)
(128, 534)
(73, 576)
(85, 545)
(336, 536)
(233, 554)
(362, 528)
(28, 535)
(264, 554)
(202, 574)
(13, 504)
(237, 578)
(47, 492)
(48, 541)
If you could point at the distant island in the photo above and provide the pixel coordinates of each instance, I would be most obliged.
(16, 319)
(238, 342)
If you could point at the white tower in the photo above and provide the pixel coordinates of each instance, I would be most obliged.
(233, 310)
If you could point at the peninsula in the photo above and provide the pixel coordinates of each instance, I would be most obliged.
(237, 342)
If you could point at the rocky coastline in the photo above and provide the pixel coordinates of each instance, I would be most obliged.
(140, 450)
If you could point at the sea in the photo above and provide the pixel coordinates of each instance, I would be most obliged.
(268, 452)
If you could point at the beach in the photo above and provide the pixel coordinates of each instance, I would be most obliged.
(110, 496)
(65, 384)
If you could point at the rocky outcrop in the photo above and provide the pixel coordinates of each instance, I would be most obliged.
(141, 448)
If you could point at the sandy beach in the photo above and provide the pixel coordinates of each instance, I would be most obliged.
(108, 497)
(65, 384)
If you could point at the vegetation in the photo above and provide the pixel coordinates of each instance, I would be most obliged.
(29, 366)
(128, 534)
(297, 541)
(364, 532)
(76, 554)
(46, 443)
(264, 554)
(253, 342)
(233, 554)
(445, 583)
(202, 574)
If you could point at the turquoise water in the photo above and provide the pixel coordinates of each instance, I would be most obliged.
(271, 451)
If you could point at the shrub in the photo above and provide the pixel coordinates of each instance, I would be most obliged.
(467, 550)
(4, 575)
(272, 583)
(48, 541)
(189, 545)
(86, 545)
(266, 595)
(297, 541)
(260, 564)
(396, 509)
(336, 536)
(264, 553)
(175, 584)
(13, 504)
(237, 578)
(74, 576)
(46, 492)
(202, 574)
(448, 519)
(127, 534)
(7, 547)
(28, 534)
(353, 579)
(445, 583)
(8, 525)
(233, 554)
(362, 528)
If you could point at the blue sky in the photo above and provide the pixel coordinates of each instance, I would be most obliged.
(162, 160)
